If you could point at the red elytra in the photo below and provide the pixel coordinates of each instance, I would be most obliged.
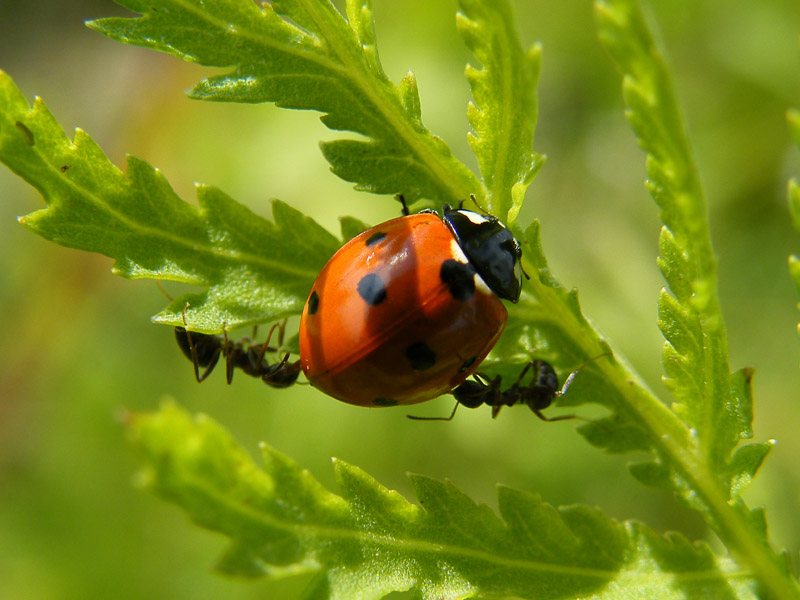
(399, 315)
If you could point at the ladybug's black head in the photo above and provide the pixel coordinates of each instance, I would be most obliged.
(491, 248)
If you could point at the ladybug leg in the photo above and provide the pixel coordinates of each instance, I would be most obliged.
(402, 200)
(524, 272)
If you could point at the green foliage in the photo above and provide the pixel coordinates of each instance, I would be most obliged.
(503, 115)
(252, 270)
(304, 54)
(709, 399)
(713, 402)
(793, 117)
(716, 405)
(369, 541)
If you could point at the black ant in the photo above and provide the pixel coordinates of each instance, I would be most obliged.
(538, 395)
(204, 350)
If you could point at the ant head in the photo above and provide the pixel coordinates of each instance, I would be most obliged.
(472, 394)
(282, 374)
(200, 347)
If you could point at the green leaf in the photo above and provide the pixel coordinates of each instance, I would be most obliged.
(695, 355)
(707, 472)
(304, 54)
(351, 227)
(503, 114)
(251, 270)
(368, 541)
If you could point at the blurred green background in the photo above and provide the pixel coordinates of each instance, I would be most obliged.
(78, 345)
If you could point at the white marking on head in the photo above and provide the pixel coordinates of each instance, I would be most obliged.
(474, 217)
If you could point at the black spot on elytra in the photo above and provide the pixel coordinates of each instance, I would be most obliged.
(468, 364)
(420, 356)
(375, 238)
(383, 401)
(313, 303)
(371, 289)
(459, 278)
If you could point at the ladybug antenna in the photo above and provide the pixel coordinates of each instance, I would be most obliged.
(402, 200)
(475, 202)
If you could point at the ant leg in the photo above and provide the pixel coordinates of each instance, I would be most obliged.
(193, 351)
(285, 359)
(539, 414)
(227, 349)
(450, 418)
(281, 332)
(264, 346)
(524, 371)
(543, 417)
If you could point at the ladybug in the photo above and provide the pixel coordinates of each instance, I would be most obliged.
(407, 310)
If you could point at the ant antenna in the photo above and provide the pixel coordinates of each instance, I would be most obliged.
(163, 291)
(571, 376)
(568, 382)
